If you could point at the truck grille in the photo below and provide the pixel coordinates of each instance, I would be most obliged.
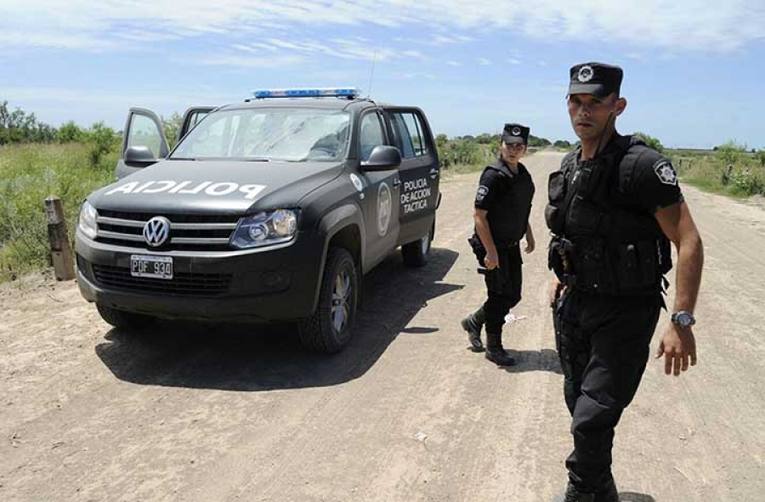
(182, 284)
(188, 232)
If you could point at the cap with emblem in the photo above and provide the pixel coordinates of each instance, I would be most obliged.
(597, 79)
(515, 133)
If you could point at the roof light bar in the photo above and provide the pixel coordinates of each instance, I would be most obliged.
(347, 92)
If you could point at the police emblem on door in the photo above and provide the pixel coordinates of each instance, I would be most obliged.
(156, 231)
(384, 206)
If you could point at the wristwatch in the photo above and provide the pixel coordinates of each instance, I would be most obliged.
(683, 318)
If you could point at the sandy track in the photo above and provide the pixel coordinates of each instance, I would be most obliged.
(405, 413)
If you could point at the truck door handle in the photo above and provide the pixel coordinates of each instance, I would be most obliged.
(396, 182)
(433, 173)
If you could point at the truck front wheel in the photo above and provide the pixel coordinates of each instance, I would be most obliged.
(328, 330)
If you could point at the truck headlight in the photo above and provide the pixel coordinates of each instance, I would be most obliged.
(271, 227)
(87, 222)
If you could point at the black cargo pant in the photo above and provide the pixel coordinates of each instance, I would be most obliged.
(603, 345)
(503, 287)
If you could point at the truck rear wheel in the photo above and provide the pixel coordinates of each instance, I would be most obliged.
(415, 254)
(122, 319)
(328, 330)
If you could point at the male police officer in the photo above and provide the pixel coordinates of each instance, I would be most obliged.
(614, 206)
(502, 206)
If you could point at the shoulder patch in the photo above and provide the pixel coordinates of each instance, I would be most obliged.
(666, 173)
(481, 193)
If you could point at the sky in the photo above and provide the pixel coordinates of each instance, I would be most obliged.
(694, 70)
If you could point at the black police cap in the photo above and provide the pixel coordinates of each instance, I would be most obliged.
(515, 133)
(597, 79)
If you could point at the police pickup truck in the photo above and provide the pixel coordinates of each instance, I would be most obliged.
(269, 210)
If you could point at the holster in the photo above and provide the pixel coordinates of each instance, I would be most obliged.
(478, 250)
(560, 259)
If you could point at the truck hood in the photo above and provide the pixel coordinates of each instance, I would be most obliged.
(213, 186)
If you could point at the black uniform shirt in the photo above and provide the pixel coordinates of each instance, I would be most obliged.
(655, 184)
(507, 199)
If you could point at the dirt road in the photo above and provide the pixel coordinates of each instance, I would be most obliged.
(406, 413)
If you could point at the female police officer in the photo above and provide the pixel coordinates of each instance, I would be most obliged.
(502, 207)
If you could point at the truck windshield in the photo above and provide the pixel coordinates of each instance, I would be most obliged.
(263, 134)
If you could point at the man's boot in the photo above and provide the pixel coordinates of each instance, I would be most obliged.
(574, 495)
(473, 324)
(495, 352)
(608, 493)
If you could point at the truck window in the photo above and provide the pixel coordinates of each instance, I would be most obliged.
(287, 134)
(408, 134)
(371, 135)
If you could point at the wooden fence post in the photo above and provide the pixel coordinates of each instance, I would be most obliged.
(61, 252)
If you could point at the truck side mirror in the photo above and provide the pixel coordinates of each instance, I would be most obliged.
(382, 158)
(139, 156)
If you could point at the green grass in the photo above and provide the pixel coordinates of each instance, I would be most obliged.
(30, 173)
(709, 171)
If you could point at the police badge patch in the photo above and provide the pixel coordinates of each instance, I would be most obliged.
(481, 193)
(665, 172)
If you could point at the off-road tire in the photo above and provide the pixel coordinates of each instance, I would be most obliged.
(319, 333)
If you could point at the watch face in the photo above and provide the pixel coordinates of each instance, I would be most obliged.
(684, 319)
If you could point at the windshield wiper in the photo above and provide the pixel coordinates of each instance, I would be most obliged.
(257, 159)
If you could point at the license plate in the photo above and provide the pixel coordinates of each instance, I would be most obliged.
(155, 267)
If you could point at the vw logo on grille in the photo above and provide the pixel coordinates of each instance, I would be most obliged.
(156, 231)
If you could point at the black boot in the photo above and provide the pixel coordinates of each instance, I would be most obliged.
(473, 324)
(574, 495)
(608, 493)
(495, 352)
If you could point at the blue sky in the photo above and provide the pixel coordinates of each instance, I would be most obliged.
(694, 70)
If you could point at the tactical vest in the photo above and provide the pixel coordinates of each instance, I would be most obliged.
(513, 205)
(602, 243)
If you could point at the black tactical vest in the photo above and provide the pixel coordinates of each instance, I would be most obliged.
(603, 241)
(509, 216)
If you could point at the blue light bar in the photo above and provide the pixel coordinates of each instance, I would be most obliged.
(348, 92)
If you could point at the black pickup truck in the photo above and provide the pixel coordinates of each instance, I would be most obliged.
(269, 210)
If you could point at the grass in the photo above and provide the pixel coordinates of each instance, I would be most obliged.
(737, 174)
(30, 173)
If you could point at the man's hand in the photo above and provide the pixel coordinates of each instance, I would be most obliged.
(530, 243)
(555, 290)
(491, 260)
(678, 346)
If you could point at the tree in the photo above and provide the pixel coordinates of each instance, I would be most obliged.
(70, 132)
(102, 140)
(19, 127)
(730, 152)
(172, 126)
(538, 142)
(562, 144)
(651, 141)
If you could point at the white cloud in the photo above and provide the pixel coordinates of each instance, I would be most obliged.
(244, 61)
(679, 25)
(513, 60)
(484, 61)
(454, 63)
